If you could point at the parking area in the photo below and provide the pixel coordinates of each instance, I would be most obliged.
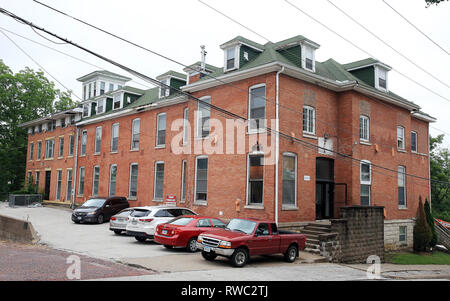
(57, 231)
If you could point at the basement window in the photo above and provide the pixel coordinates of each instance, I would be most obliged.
(402, 234)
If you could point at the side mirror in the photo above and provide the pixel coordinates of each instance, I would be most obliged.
(107, 206)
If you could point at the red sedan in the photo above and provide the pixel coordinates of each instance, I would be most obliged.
(183, 231)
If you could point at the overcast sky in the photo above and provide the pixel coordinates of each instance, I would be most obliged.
(177, 28)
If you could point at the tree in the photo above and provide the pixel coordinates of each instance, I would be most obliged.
(24, 96)
(431, 2)
(440, 174)
(430, 221)
(422, 233)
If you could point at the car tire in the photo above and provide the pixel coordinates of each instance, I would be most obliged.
(239, 258)
(100, 219)
(118, 232)
(208, 256)
(291, 253)
(168, 247)
(140, 238)
(192, 245)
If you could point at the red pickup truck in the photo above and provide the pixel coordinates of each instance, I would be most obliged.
(243, 238)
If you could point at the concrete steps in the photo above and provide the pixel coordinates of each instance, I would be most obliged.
(312, 232)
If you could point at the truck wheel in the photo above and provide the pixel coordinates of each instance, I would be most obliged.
(168, 246)
(239, 258)
(192, 245)
(140, 238)
(291, 253)
(208, 256)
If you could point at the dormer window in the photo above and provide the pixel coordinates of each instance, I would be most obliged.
(308, 62)
(101, 106)
(381, 78)
(86, 110)
(164, 91)
(231, 58)
(117, 104)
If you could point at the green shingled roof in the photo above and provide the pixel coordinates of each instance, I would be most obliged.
(246, 41)
(360, 63)
(173, 73)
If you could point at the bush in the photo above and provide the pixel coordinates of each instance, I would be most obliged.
(430, 221)
(422, 232)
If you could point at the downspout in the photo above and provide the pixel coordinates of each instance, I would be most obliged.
(429, 169)
(74, 176)
(277, 140)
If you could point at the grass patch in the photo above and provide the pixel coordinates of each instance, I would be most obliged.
(418, 258)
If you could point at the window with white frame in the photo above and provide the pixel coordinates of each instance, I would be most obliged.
(186, 128)
(230, 58)
(364, 128)
(98, 140)
(39, 150)
(115, 137)
(289, 180)
(61, 147)
(183, 180)
(164, 89)
(86, 109)
(117, 101)
(111, 87)
(132, 194)
(158, 191)
(95, 180)
(102, 88)
(95, 89)
(71, 145)
(255, 175)
(161, 129)
(90, 90)
(400, 137)
(81, 181)
(136, 125)
(414, 141)
(309, 120)
(401, 187)
(203, 116)
(49, 148)
(366, 182)
(201, 178)
(85, 92)
(309, 58)
(101, 106)
(402, 234)
(112, 179)
(58, 184)
(69, 184)
(31, 151)
(257, 107)
(83, 143)
(382, 78)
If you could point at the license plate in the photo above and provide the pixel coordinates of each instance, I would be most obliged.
(134, 222)
(207, 249)
(164, 231)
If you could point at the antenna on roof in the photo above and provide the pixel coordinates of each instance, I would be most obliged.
(203, 52)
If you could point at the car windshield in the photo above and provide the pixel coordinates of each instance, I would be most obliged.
(182, 221)
(140, 212)
(241, 225)
(125, 212)
(94, 203)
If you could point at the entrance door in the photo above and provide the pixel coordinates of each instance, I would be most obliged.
(47, 185)
(324, 188)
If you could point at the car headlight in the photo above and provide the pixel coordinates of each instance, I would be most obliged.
(200, 239)
(91, 213)
(225, 244)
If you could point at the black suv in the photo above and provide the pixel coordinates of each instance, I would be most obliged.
(99, 209)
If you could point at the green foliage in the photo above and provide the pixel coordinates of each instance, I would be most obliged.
(414, 258)
(430, 221)
(440, 171)
(422, 232)
(24, 96)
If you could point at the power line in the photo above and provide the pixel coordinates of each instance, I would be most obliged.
(366, 52)
(385, 43)
(410, 23)
(40, 66)
(219, 109)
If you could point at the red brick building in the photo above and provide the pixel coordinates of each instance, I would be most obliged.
(345, 139)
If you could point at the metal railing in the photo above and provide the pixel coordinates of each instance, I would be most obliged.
(24, 199)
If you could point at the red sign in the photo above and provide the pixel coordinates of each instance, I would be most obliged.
(171, 199)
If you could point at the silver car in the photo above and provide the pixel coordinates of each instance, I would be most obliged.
(118, 222)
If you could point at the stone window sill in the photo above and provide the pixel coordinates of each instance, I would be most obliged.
(201, 203)
(289, 207)
(310, 136)
(256, 207)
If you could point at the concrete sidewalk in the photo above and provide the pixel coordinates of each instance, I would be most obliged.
(409, 272)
